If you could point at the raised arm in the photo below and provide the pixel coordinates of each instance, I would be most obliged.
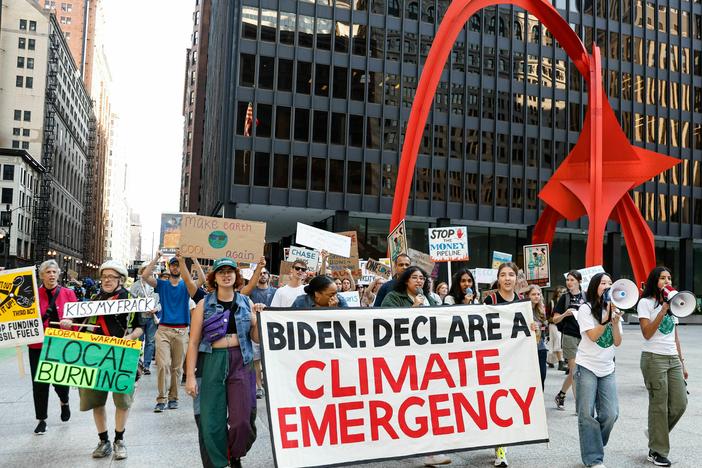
(248, 289)
(201, 276)
(148, 274)
(185, 273)
(325, 256)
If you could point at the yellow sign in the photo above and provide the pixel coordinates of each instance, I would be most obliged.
(20, 318)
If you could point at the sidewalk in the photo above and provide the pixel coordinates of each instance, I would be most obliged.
(169, 439)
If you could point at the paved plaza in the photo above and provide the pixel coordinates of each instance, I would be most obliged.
(169, 439)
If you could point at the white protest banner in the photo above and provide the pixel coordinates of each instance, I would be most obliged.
(537, 263)
(247, 272)
(323, 240)
(498, 258)
(448, 244)
(485, 275)
(353, 299)
(352, 387)
(20, 318)
(310, 256)
(119, 306)
(587, 273)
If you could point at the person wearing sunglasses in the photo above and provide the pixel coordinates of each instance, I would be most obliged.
(285, 296)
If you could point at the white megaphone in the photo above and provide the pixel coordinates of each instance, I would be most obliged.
(682, 303)
(623, 294)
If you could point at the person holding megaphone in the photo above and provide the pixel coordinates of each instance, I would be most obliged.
(662, 364)
(601, 331)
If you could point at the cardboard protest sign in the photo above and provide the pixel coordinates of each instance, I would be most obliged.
(170, 232)
(448, 244)
(587, 273)
(20, 318)
(397, 241)
(376, 268)
(537, 264)
(323, 240)
(498, 258)
(205, 237)
(86, 360)
(485, 275)
(353, 299)
(120, 306)
(366, 276)
(354, 387)
(310, 256)
(385, 261)
(421, 260)
(338, 264)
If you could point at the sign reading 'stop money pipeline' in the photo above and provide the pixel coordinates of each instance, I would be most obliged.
(85, 360)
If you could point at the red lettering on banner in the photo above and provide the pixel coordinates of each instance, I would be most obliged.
(484, 367)
(421, 420)
(337, 389)
(460, 402)
(524, 405)
(383, 421)
(285, 428)
(437, 413)
(345, 423)
(493, 408)
(312, 394)
(363, 376)
(319, 431)
(442, 374)
(409, 366)
(461, 357)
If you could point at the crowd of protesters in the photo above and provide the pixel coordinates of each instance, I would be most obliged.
(203, 332)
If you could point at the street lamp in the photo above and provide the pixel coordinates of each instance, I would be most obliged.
(4, 235)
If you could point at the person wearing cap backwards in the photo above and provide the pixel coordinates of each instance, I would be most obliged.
(129, 326)
(220, 354)
(172, 333)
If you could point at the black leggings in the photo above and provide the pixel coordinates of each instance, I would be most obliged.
(40, 391)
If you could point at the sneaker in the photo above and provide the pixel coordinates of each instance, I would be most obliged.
(259, 393)
(147, 371)
(120, 450)
(159, 407)
(41, 428)
(657, 459)
(562, 365)
(236, 463)
(103, 449)
(560, 401)
(434, 460)
(65, 412)
(173, 404)
(501, 457)
(551, 365)
(599, 465)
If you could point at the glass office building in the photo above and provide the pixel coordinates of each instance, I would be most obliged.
(328, 87)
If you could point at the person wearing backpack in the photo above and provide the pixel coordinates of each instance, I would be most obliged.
(564, 316)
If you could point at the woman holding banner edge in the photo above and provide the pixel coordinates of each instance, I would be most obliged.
(52, 298)
(222, 332)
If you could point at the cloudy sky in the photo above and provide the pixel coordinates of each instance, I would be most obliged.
(146, 42)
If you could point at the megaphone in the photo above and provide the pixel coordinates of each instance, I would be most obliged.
(682, 303)
(623, 294)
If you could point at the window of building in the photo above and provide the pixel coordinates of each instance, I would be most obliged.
(242, 167)
(6, 195)
(28, 82)
(8, 172)
(287, 28)
(262, 163)
(319, 126)
(15, 144)
(18, 114)
(339, 82)
(372, 179)
(248, 69)
(31, 44)
(353, 175)
(30, 63)
(356, 130)
(264, 120)
(305, 28)
(321, 80)
(281, 164)
(358, 85)
(20, 62)
(25, 145)
(304, 77)
(16, 131)
(32, 25)
(27, 116)
(285, 74)
(282, 123)
(269, 25)
(23, 24)
(265, 72)
(318, 178)
(299, 172)
(337, 131)
(19, 81)
(249, 20)
(324, 33)
(302, 124)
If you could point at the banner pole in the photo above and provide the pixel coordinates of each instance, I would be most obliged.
(450, 275)
(20, 361)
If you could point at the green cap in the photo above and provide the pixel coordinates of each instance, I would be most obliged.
(222, 262)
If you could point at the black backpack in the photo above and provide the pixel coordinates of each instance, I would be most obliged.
(560, 325)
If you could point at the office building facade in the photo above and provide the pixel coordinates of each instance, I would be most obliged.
(307, 104)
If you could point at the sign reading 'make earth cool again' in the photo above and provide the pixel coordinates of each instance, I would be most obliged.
(206, 237)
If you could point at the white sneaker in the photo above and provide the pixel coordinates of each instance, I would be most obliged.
(599, 465)
(500, 457)
(438, 459)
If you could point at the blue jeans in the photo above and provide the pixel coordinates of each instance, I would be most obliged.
(598, 393)
(149, 343)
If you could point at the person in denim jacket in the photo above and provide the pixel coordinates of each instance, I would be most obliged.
(321, 292)
(227, 390)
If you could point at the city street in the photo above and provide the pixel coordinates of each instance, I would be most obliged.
(169, 439)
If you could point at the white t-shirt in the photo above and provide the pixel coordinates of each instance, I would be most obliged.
(285, 296)
(596, 356)
(663, 340)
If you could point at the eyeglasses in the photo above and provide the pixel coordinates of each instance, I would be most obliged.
(420, 278)
(109, 277)
(265, 273)
(299, 268)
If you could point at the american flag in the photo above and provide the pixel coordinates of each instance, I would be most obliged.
(248, 123)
